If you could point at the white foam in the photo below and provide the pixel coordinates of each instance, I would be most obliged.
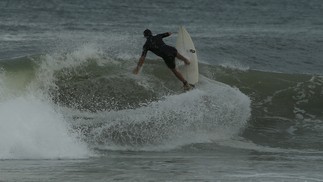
(241, 143)
(52, 63)
(213, 111)
(236, 65)
(32, 128)
(9, 37)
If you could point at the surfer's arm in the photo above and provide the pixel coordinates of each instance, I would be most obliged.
(140, 62)
(166, 34)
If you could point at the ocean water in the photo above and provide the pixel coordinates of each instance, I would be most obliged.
(71, 109)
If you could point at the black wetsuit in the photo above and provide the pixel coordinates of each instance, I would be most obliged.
(156, 45)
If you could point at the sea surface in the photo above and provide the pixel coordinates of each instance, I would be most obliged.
(71, 109)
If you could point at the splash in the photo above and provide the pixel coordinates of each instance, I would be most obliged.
(32, 126)
(32, 129)
(214, 111)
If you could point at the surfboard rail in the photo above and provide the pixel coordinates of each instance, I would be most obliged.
(185, 47)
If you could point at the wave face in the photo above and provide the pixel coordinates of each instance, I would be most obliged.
(69, 105)
(287, 109)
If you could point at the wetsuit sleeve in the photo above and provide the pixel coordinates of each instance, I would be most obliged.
(164, 34)
(144, 50)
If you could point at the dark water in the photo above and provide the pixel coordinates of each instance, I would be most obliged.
(67, 92)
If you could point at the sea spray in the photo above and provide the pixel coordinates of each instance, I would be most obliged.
(209, 113)
(31, 128)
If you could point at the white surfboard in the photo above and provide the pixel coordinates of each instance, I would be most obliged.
(185, 47)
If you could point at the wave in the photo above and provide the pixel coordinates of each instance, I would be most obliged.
(97, 103)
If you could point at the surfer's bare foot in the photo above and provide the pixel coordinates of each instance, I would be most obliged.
(188, 86)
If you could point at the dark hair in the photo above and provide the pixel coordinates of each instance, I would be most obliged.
(147, 33)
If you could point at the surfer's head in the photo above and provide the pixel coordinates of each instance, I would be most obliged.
(147, 33)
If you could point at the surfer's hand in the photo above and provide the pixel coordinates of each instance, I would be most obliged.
(169, 33)
(187, 62)
(136, 71)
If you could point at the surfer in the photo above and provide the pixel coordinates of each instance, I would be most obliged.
(156, 45)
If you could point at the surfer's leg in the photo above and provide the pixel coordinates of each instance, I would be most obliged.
(179, 76)
(170, 62)
(179, 56)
